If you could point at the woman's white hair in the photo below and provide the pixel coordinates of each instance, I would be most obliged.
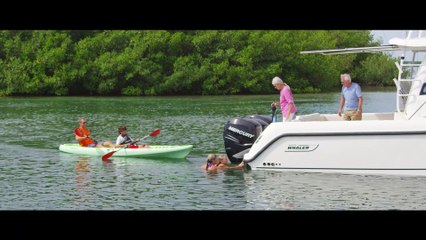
(277, 80)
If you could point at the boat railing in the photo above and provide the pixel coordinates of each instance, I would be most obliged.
(403, 85)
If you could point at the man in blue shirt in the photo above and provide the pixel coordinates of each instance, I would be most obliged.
(351, 99)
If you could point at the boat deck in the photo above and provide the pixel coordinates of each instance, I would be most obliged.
(334, 117)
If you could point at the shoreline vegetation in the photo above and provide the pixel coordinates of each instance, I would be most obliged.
(171, 63)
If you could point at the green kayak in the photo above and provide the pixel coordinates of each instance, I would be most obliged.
(159, 151)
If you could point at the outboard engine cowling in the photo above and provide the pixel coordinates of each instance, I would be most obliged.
(263, 120)
(239, 135)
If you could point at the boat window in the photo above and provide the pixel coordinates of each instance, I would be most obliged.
(423, 92)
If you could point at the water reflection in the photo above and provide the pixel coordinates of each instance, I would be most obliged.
(235, 175)
(212, 174)
(267, 190)
(83, 181)
(235, 187)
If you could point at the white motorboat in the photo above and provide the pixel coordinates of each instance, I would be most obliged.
(382, 143)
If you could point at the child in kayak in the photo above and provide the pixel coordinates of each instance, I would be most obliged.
(124, 139)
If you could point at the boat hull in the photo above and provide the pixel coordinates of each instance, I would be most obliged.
(346, 147)
(153, 151)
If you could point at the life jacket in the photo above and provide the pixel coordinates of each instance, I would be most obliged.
(81, 132)
(126, 140)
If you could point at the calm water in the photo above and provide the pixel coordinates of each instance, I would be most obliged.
(35, 175)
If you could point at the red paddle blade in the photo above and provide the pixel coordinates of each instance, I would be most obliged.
(155, 132)
(108, 155)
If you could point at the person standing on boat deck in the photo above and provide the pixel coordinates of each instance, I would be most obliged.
(288, 108)
(124, 139)
(82, 135)
(351, 99)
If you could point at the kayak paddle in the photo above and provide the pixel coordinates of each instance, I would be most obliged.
(152, 134)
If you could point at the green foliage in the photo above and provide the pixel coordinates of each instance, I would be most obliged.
(33, 61)
(157, 62)
(131, 91)
(376, 70)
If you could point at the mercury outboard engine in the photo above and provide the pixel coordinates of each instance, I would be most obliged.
(240, 133)
(262, 119)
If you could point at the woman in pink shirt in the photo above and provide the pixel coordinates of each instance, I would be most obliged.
(286, 102)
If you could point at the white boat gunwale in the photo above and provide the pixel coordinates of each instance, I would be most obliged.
(322, 134)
